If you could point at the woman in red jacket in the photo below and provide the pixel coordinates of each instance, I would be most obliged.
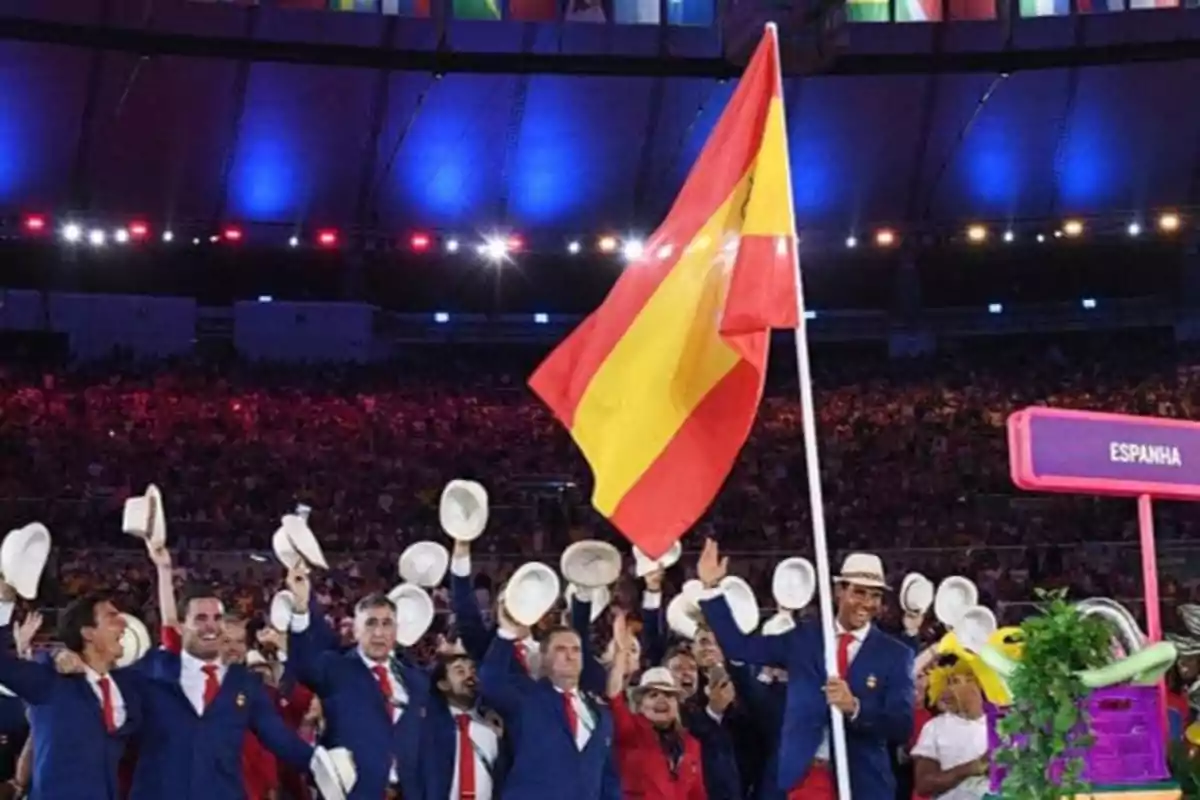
(656, 757)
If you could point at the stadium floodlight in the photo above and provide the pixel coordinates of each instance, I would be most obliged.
(452, 246)
(1134, 229)
(121, 236)
(72, 233)
(168, 236)
(494, 249)
(573, 248)
(632, 250)
(97, 238)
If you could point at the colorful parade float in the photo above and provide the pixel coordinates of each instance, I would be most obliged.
(1076, 694)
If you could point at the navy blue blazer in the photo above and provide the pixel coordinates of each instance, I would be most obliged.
(183, 755)
(76, 757)
(880, 677)
(358, 718)
(547, 765)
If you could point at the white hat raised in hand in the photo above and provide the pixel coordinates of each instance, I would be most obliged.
(794, 583)
(294, 541)
(591, 564)
(916, 593)
(599, 597)
(145, 517)
(531, 592)
(135, 641)
(23, 557)
(954, 596)
(463, 511)
(414, 613)
(424, 563)
(644, 565)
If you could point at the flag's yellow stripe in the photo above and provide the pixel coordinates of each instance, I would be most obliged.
(671, 356)
(769, 211)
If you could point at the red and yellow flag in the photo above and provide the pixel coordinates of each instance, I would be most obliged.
(659, 386)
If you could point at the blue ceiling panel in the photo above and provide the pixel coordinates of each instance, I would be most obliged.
(994, 158)
(853, 142)
(42, 91)
(576, 161)
(690, 108)
(161, 136)
(1126, 138)
(300, 144)
(448, 138)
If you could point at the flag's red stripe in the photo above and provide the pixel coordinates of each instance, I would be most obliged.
(563, 377)
(677, 488)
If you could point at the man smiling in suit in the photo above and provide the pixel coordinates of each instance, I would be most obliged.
(80, 721)
(873, 688)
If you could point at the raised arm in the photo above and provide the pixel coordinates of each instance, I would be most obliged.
(472, 630)
(501, 683)
(593, 678)
(306, 651)
(737, 646)
(32, 681)
(168, 611)
(653, 636)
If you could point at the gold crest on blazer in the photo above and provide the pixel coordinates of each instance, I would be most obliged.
(872, 682)
(241, 700)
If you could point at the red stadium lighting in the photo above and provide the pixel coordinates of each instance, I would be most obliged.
(515, 243)
(35, 223)
(327, 238)
(138, 230)
(419, 242)
(232, 234)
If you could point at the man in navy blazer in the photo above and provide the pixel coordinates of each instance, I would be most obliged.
(464, 753)
(874, 690)
(374, 703)
(80, 721)
(562, 738)
(197, 712)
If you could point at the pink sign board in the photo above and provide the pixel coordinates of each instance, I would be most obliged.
(1085, 452)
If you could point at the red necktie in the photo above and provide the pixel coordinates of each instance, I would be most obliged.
(106, 704)
(385, 685)
(843, 654)
(522, 656)
(212, 686)
(569, 710)
(466, 759)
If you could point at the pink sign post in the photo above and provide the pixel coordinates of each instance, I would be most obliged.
(1084, 452)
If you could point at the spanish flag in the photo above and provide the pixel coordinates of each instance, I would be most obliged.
(659, 386)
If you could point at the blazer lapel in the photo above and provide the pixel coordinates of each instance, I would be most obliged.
(371, 688)
(861, 664)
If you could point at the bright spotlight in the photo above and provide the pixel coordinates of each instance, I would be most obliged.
(1009, 236)
(976, 233)
(1072, 227)
(35, 223)
(1088, 303)
(1041, 237)
(168, 236)
(573, 248)
(885, 238)
(72, 232)
(96, 238)
(851, 242)
(632, 250)
(495, 249)
(1134, 229)
(607, 244)
(138, 230)
(1168, 223)
(452, 246)
(121, 236)
(995, 308)
(294, 241)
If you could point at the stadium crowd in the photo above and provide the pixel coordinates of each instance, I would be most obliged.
(915, 469)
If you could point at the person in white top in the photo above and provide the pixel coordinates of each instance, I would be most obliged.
(950, 758)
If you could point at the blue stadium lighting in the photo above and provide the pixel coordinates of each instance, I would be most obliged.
(72, 233)
(1088, 302)
(541, 319)
(97, 238)
(452, 246)
(995, 308)
(633, 250)
(494, 249)
(441, 317)
(294, 241)
(851, 242)
(573, 248)
(810, 314)
(1009, 236)
(265, 298)
(1134, 229)
(121, 236)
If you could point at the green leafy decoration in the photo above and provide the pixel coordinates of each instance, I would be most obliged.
(1046, 722)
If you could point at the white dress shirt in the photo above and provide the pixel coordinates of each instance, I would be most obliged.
(860, 635)
(114, 695)
(486, 745)
(192, 678)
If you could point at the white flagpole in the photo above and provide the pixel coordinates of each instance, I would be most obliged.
(812, 465)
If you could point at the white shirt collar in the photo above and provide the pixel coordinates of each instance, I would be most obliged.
(859, 635)
(371, 664)
(93, 676)
(191, 663)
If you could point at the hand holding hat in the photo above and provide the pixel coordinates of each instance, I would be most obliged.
(463, 510)
(299, 585)
(294, 541)
(145, 517)
(23, 557)
(333, 772)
